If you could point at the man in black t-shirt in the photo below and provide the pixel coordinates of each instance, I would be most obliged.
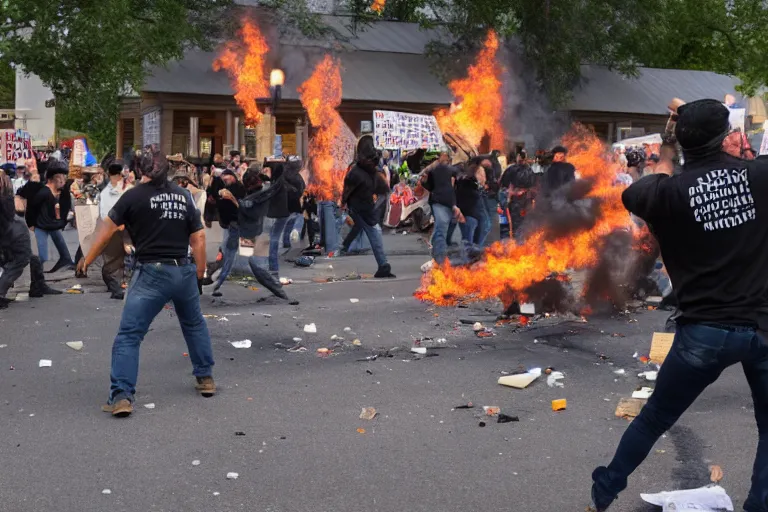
(48, 211)
(163, 223)
(439, 181)
(559, 173)
(711, 223)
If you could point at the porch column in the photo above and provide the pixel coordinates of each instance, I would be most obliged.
(194, 136)
(265, 136)
(166, 131)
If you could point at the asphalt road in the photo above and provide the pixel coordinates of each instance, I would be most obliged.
(302, 449)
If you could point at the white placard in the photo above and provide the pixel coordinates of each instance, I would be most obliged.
(87, 216)
(400, 130)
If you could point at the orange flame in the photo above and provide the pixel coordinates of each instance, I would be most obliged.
(321, 95)
(244, 60)
(378, 5)
(479, 107)
(507, 269)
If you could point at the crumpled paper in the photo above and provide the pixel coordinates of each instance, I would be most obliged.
(703, 499)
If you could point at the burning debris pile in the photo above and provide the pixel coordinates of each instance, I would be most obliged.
(244, 61)
(478, 109)
(321, 96)
(582, 226)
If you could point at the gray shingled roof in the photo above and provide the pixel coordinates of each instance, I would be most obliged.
(603, 90)
(367, 76)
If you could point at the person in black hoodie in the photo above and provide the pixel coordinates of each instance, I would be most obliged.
(359, 188)
(517, 184)
(286, 175)
(381, 191)
(16, 249)
(711, 222)
(296, 214)
(252, 210)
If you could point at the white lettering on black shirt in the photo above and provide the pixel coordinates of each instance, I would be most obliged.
(722, 199)
(174, 205)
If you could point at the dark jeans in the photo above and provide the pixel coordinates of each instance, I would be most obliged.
(374, 237)
(229, 247)
(275, 238)
(445, 223)
(483, 223)
(468, 229)
(698, 356)
(152, 286)
(379, 209)
(58, 240)
(16, 253)
(295, 221)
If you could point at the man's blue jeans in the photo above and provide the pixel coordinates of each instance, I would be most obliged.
(41, 236)
(698, 356)
(483, 223)
(152, 286)
(468, 229)
(229, 248)
(443, 220)
(374, 236)
(295, 221)
(275, 237)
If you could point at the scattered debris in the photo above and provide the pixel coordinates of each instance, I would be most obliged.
(297, 349)
(216, 493)
(354, 301)
(357, 343)
(3, 346)
(266, 315)
(310, 328)
(75, 345)
(324, 351)
(554, 378)
(232, 476)
(481, 424)
(241, 344)
(522, 380)
(45, 363)
(478, 327)
(361, 431)
(223, 319)
(239, 433)
(368, 413)
(559, 405)
(705, 499)
(654, 300)
(284, 281)
(503, 418)
(643, 393)
(195, 462)
(621, 371)
(629, 408)
(347, 329)
(419, 350)
(106, 491)
(297, 340)
(527, 309)
(661, 343)
(149, 406)
(485, 333)
(715, 473)
(335, 338)
(649, 376)
(468, 405)
(491, 410)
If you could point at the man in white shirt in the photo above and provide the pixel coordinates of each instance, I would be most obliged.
(114, 253)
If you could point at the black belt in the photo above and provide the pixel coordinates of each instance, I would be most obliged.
(178, 262)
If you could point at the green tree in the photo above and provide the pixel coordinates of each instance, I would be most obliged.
(90, 53)
(7, 87)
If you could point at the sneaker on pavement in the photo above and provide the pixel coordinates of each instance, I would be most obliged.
(120, 409)
(427, 266)
(205, 386)
(384, 271)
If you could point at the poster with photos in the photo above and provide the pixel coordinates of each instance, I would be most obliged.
(401, 130)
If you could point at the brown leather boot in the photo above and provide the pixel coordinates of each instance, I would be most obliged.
(205, 386)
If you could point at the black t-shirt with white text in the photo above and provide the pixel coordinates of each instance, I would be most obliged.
(711, 222)
(160, 220)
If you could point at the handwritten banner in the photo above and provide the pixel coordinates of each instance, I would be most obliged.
(400, 130)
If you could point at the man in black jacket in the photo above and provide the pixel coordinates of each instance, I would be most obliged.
(359, 188)
(287, 176)
(559, 173)
(16, 249)
(711, 223)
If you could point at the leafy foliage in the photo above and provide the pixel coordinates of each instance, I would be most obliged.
(89, 53)
(7, 87)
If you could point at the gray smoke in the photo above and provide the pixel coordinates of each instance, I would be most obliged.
(564, 212)
(529, 117)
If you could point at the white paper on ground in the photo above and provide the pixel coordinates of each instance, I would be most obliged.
(310, 328)
(241, 344)
(527, 309)
(45, 363)
(707, 499)
(554, 378)
(75, 345)
(644, 393)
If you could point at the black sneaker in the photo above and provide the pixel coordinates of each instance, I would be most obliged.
(4, 303)
(384, 272)
(36, 292)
